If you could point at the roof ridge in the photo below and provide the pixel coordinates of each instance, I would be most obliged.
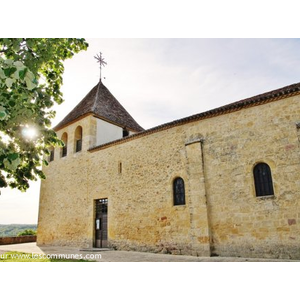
(96, 97)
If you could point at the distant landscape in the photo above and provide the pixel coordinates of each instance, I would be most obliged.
(14, 229)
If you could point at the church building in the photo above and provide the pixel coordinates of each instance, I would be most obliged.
(225, 182)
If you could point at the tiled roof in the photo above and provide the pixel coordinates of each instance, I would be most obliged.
(101, 103)
(267, 97)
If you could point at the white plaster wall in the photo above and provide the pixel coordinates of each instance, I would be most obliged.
(107, 132)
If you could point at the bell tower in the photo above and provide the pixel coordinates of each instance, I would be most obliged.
(100, 116)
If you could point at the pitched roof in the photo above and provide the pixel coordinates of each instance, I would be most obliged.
(101, 103)
(278, 94)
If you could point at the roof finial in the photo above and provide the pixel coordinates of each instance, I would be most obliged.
(101, 62)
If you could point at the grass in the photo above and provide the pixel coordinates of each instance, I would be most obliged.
(14, 256)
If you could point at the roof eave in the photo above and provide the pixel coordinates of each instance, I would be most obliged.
(59, 127)
(261, 99)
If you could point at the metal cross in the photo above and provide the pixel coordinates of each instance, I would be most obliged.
(101, 62)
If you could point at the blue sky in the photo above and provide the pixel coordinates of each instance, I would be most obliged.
(159, 80)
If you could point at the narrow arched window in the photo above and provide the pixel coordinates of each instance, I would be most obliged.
(78, 139)
(178, 191)
(263, 180)
(51, 156)
(64, 150)
(125, 132)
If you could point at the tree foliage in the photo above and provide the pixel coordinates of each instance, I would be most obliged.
(30, 82)
(27, 232)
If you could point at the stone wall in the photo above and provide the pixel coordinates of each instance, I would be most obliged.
(214, 156)
(17, 239)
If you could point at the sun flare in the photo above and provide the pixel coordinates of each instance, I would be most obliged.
(29, 133)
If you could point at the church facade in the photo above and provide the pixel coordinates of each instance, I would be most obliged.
(224, 182)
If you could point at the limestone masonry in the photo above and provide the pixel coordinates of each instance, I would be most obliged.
(116, 184)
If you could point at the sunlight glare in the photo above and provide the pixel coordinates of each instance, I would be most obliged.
(29, 132)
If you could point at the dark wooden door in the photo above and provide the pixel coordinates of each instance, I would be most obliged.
(101, 223)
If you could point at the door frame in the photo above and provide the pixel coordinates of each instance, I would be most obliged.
(100, 243)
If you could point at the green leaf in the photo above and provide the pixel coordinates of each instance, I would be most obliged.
(3, 115)
(16, 75)
(22, 73)
(19, 64)
(9, 71)
(2, 75)
(13, 156)
(12, 103)
(30, 85)
(30, 76)
(30, 80)
(9, 82)
(2, 182)
(9, 62)
(11, 166)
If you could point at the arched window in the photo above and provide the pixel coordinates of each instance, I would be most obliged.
(178, 191)
(125, 132)
(263, 180)
(78, 139)
(64, 150)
